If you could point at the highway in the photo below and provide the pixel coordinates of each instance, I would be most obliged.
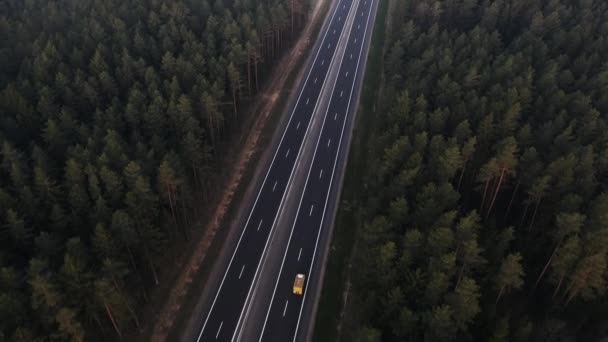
(233, 291)
(284, 313)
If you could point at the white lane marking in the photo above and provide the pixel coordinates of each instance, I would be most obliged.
(298, 126)
(315, 80)
(262, 187)
(358, 26)
(351, 56)
(361, 13)
(274, 186)
(355, 40)
(287, 154)
(312, 206)
(241, 274)
(321, 174)
(272, 227)
(335, 116)
(322, 62)
(307, 100)
(331, 179)
(328, 45)
(260, 224)
(328, 142)
(334, 31)
(300, 254)
(297, 213)
(285, 309)
(341, 93)
(340, 17)
(218, 330)
(346, 74)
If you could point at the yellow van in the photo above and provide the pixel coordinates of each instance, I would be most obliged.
(298, 284)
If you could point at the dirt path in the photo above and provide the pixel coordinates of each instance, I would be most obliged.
(265, 104)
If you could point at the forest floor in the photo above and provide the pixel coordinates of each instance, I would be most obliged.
(163, 310)
(337, 288)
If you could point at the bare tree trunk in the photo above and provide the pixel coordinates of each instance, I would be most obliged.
(534, 215)
(109, 311)
(197, 182)
(171, 204)
(249, 74)
(151, 264)
(461, 273)
(464, 167)
(134, 316)
(132, 259)
(483, 200)
(572, 293)
(236, 114)
(502, 174)
(98, 321)
(547, 264)
(521, 222)
(512, 199)
(502, 289)
(559, 284)
(255, 66)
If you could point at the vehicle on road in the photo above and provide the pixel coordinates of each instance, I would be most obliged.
(298, 284)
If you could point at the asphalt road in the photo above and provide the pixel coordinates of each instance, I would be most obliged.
(226, 310)
(284, 313)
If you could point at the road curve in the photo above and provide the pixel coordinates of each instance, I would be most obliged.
(226, 309)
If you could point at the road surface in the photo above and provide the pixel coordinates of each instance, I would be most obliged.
(284, 313)
(232, 293)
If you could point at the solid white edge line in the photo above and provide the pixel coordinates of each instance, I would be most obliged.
(300, 205)
(334, 169)
(266, 176)
(295, 162)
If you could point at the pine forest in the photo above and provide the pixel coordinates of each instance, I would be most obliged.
(486, 201)
(114, 115)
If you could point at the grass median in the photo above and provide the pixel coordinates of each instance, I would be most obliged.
(350, 212)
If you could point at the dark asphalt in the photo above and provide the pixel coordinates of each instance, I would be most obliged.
(226, 309)
(284, 313)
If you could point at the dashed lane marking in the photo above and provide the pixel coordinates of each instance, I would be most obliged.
(285, 309)
(218, 330)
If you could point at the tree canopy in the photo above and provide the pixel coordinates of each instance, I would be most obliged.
(115, 115)
(486, 198)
